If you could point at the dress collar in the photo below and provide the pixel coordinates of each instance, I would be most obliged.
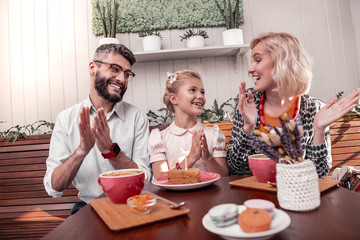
(181, 131)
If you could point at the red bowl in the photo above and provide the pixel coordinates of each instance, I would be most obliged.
(262, 167)
(121, 184)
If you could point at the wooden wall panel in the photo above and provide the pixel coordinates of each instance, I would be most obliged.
(46, 47)
(139, 90)
(5, 80)
(318, 44)
(28, 48)
(57, 101)
(16, 63)
(210, 80)
(42, 60)
(68, 52)
(337, 47)
(349, 44)
(152, 82)
(82, 54)
(354, 10)
(164, 67)
(223, 88)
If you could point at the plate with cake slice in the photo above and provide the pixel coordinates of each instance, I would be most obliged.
(180, 179)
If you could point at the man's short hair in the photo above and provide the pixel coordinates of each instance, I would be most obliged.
(114, 48)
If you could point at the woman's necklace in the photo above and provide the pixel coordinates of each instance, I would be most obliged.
(261, 109)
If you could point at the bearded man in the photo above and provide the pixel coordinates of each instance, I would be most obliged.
(99, 134)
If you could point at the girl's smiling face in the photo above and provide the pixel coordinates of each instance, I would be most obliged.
(260, 68)
(190, 98)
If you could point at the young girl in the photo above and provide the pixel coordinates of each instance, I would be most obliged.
(186, 141)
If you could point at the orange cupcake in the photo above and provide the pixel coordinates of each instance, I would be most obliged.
(254, 220)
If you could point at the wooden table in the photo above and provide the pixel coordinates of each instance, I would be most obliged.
(338, 216)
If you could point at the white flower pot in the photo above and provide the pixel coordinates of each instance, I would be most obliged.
(152, 43)
(195, 42)
(233, 37)
(108, 40)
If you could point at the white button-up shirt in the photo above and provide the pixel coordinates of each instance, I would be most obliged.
(129, 128)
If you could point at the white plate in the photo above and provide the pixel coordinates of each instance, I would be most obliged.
(280, 222)
(206, 178)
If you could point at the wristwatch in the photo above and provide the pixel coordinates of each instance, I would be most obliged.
(114, 151)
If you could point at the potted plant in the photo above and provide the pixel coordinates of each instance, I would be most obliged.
(152, 40)
(232, 17)
(17, 131)
(108, 14)
(194, 38)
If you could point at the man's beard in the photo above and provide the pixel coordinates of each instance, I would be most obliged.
(100, 86)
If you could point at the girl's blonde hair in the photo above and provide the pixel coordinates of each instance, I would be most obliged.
(292, 65)
(173, 84)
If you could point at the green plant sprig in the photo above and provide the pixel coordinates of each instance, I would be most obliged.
(149, 33)
(231, 16)
(191, 32)
(108, 17)
(215, 113)
(163, 118)
(16, 132)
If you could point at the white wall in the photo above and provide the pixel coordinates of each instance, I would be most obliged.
(46, 45)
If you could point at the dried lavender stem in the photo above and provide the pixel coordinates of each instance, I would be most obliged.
(285, 140)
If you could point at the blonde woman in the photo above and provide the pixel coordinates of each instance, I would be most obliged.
(281, 71)
(186, 141)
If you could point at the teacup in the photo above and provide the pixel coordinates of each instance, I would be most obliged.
(119, 185)
(262, 167)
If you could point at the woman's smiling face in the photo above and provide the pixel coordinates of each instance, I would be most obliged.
(261, 68)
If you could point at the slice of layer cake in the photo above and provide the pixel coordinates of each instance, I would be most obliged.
(182, 176)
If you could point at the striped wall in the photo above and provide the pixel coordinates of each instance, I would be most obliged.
(46, 46)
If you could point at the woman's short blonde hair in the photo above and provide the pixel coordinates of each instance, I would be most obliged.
(292, 65)
(173, 84)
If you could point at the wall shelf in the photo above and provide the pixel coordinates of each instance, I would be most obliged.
(185, 53)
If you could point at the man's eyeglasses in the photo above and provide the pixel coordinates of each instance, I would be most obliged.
(117, 69)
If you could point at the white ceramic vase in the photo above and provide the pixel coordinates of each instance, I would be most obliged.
(108, 40)
(195, 42)
(233, 37)
(151, 43)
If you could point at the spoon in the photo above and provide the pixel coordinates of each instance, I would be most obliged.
(272, 184)
(172, 206)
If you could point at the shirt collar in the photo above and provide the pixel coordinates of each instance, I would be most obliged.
(181, 131)
(118, 108)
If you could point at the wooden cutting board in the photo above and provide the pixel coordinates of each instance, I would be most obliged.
(251, 182)
(121, 217)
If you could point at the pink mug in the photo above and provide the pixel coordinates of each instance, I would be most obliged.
(262, 167)
(119, 185)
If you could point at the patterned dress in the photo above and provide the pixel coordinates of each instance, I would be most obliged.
(238, 150)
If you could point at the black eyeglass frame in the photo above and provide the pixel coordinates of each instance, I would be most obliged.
(129, 72)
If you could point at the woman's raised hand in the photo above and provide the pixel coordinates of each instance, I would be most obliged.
(247, 109)
(331, 112)
(334, 110)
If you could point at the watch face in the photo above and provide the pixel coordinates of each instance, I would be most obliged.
(114, 151)
(115, 148)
